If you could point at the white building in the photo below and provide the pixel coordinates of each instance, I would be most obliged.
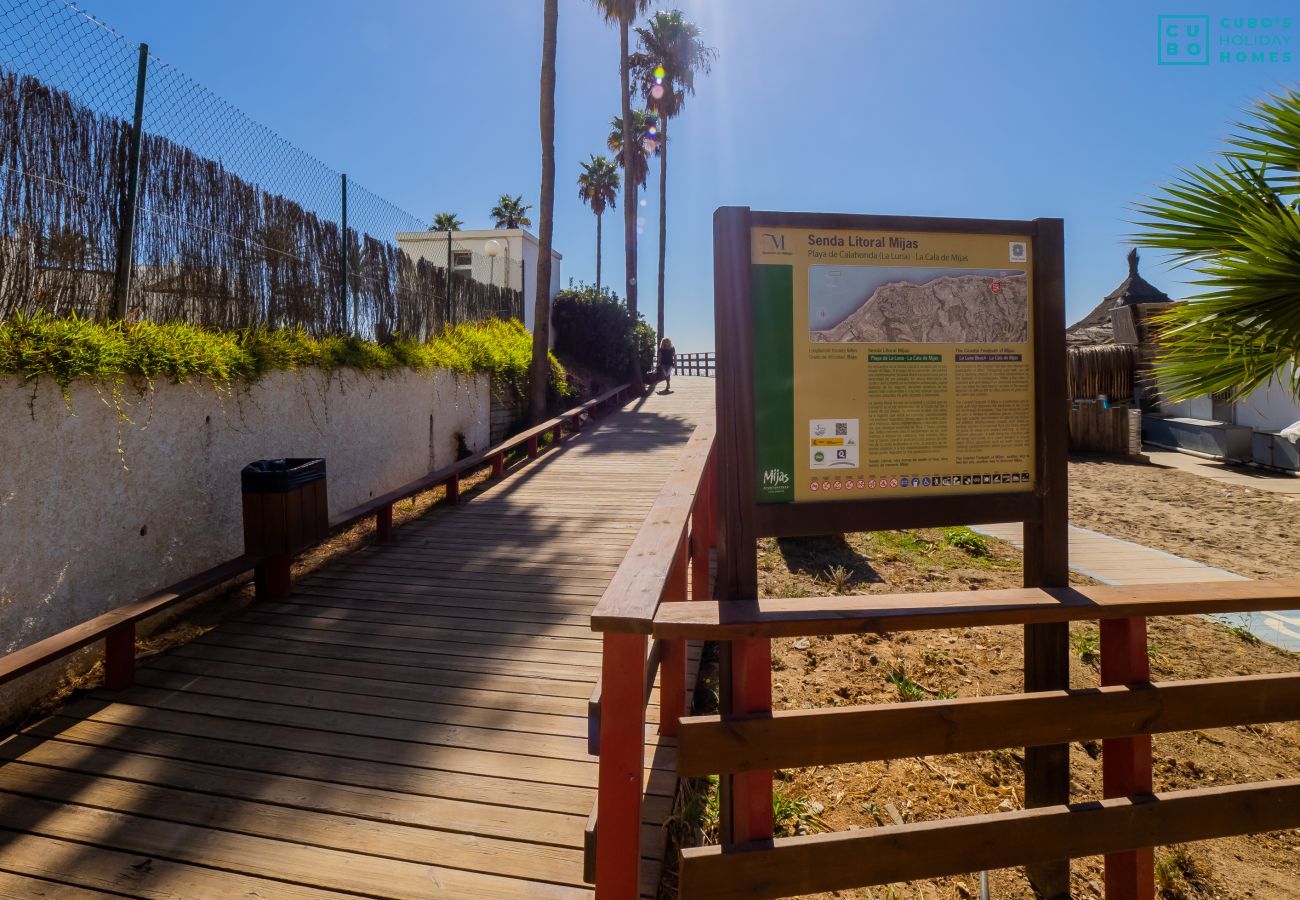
(506, 257)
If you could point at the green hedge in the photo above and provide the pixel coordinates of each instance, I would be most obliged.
(596, 329)
(68, 349)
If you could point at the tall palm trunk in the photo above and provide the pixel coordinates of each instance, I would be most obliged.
(629, 188)
(540, 370)
(663, 220)
(598, 217)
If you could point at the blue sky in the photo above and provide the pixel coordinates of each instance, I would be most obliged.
(985, 109)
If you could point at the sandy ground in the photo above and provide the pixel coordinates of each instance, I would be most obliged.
(857, 669)
(1244, 530)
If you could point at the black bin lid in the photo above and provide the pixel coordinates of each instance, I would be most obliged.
(277, 476)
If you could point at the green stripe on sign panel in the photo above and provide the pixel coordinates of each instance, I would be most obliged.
(772, 293)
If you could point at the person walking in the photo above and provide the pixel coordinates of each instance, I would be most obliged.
(667, 362)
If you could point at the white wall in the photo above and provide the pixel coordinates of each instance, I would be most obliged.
(99, 507)
(1196, 408)
(1269, 408)
(516, 244)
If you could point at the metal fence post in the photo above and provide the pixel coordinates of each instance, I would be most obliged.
(343, 243)
(126, 231)
(451, 315)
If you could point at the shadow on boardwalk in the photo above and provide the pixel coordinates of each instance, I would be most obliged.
(411, 722)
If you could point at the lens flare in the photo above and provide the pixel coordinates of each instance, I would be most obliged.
(657, 92)
(660, 74)
(652, 131)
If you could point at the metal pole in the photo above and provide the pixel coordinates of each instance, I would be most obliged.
(343, 242)
(126, 233)
(451, 316)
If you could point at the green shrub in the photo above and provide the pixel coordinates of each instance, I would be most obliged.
(972, 543)
(594, 327)
(72, 348)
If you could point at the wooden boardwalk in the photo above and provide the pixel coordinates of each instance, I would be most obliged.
(411, 722)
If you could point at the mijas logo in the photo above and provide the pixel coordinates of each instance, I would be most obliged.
(775, 478)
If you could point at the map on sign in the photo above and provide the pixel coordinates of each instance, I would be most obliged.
(897, 304)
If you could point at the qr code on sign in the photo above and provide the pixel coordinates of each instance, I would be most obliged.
(841, 429)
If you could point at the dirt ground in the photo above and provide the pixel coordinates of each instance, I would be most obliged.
(1251, 532)
(856, 669)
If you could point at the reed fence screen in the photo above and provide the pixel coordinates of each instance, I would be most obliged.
(234, 226)
(1106, 369)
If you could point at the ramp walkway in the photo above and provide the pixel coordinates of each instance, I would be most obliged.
(410, 722)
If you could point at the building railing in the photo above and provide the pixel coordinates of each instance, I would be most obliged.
(670, 553)
(1125, 825)
(697, 364)
(117, 627)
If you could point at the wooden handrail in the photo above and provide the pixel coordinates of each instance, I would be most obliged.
(33, 656)
(468, 464)
(966, 609)
(787, 739)
(841, 860)
(675, 536)
(629, 603)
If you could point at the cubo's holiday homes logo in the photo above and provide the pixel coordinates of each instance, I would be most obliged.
(1224, 40)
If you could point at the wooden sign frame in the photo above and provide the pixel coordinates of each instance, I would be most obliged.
(742, 520)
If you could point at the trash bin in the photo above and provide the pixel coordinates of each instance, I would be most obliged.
(285, 505)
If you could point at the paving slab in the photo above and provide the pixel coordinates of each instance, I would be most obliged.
(1112, 560)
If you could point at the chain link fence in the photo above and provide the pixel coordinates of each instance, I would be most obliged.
(227, 223)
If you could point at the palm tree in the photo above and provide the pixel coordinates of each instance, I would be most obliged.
(540, 368)
(623, 12)
(1237, 224)
(637, 164)
(446, 221)
(598, 188)
(511, 212)
(671, 54)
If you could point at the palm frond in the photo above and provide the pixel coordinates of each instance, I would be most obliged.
(1232, 225)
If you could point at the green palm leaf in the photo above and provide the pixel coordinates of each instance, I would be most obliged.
(1231, 223)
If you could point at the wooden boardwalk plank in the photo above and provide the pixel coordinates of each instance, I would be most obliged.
(410, 722)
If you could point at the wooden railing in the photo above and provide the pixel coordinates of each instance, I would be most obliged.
(697, 364)
(1122, 714)
(669, 554)
(117, 627)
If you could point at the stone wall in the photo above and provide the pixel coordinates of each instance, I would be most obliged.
(508, 411)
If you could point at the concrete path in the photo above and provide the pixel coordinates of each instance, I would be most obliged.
(1226, 473)
(1114, 561)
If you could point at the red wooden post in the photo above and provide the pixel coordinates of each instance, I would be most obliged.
(384, 523)
(751, 686)
(532, 446)
(498, 464)
(622, 727)
(453, 489)
(119, 657)
(1126, 762)
(703, 531)
(672, 662)
(272, 579)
